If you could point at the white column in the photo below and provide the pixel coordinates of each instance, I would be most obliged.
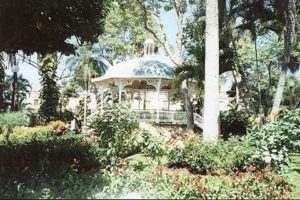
(139, 100)
(102, 103)
(168, 100)
(101, 89)
(158, 100)
(120, 95)
(120, 86)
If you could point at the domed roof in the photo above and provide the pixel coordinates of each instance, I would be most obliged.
(149, 41)
(145, 67)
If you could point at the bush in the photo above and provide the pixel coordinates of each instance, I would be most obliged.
(162, 183)
(200, 158)
(117, 119)
(233, 122)
(10, 120)
(29, 156)
(151, 146)
(274, 141)
(115, 130)
(65, 184)
(26, 134)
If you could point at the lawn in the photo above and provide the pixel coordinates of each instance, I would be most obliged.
(294, 174)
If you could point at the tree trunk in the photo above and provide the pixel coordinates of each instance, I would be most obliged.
(257, 76)
(2, 76)
(288, 41)
(211, 96)
(188, 105)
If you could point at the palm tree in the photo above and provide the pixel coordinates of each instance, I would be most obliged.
(23, 87)
(290, 14)
(2, 76)
(87, 63)
(211, 88)
(279, 17)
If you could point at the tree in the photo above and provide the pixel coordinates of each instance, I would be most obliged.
(290, 13)
(2, 76)
(250, 12)
(270, 55)
(45, 26)
(23, 88)
(193, 67)
(152, 10)
(211, 95)
(50, 92)
(87, 63)
(124, 32)
(277, 16)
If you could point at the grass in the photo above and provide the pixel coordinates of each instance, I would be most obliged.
(293, 174)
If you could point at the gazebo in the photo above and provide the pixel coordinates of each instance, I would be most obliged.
(146, 83)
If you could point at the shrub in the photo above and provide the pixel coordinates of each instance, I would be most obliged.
(224, 157)
(118, 118)
(26, 134)
(59, 127)
(65, 184)
(10, 120)
(164, 183)
(151, 146)
(274, 141)
(115, 129)
(48, 155)
(233, 122)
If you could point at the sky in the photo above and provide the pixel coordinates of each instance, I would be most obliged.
(31, 73)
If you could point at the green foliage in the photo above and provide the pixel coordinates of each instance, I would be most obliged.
(116, 121)
(162, 183)
(115, 131)
(233, 122)
(224, 157)
(36, 152)
(69, 89)
(87, 63)
(295, 92)
(274, 141)
(20, 135)
(293, 174)
(23, 88)
(65, 184)
(270, 52)
(65, 115)
(50, 91)
(124, 31)
(46, 26)
(152, 146)
(10, 120)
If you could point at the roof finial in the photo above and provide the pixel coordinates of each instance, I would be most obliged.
(148, 47)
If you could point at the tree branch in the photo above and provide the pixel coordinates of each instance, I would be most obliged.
(162, 40)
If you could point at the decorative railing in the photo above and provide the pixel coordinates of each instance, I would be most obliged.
(168, 117)
(198, 120)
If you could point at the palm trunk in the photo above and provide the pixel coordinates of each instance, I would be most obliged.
(2, 75)
(211, 96)
(257, 76)
(288, 41)
(188, 105)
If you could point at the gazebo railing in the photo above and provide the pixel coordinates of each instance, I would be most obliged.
(168, 117)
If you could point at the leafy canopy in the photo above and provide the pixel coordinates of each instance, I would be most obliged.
(44, 26)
